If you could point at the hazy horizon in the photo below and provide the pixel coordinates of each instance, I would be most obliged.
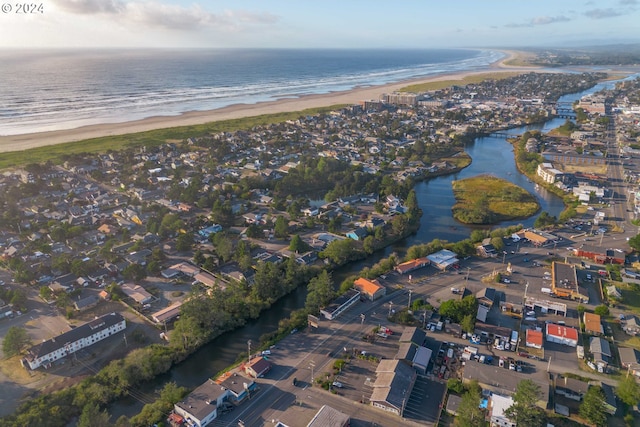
(355, 24)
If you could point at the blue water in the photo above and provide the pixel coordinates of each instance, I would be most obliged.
(61, 89)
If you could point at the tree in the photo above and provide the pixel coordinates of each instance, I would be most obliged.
(134, 272)
(469, 412)
(15, 340)
(593, 406)
(92, 416)
(524, 411)
(184, 242)
(634, 242)
(281, 228)
(601, 310)
(297, 245)
(628, 390)
(468, 323)
(320, 292)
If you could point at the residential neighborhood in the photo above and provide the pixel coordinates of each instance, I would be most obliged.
(187, 240)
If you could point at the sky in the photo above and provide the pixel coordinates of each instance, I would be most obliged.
(318, 24)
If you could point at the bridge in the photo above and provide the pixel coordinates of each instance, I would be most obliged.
(504, 135)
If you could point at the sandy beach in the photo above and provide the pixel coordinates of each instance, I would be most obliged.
(354, 96)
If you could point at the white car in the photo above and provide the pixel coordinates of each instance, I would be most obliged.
(337, 384)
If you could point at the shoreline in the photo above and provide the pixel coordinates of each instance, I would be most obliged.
(21, 142)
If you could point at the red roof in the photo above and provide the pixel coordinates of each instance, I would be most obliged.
(562, 331)
(367, 286)
(534, 337)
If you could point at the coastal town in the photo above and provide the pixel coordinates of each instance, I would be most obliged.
(119, 264)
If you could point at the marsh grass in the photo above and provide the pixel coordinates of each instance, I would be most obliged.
(486, 199)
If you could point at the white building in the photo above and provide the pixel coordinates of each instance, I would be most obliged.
(49, 351)
(548, 173)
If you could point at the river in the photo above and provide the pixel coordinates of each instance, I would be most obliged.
(489, 154)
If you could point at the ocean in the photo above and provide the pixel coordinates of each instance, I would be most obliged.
(43, 90)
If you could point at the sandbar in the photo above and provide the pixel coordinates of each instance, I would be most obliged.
(354, 96)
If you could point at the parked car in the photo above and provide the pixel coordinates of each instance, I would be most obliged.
(337, 384)
(295, 381)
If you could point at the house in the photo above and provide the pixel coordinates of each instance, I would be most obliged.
(358, 233)
(562, 334)
(631, 325)
(498, 406)
(329, 417)
(86, 303)
(453, 403)
(534, 338)
(49, 351)
(630, 360)
(486, 297)
(571, 388)
(371, 289)
(206, 279)
(601, 350)
(199, 408)
(414, 264)
(393, 386)
(257, 367)
(137, 293)
(167, 314)
(486, 251)
(414, 335)
(610, 401)
(592, 324)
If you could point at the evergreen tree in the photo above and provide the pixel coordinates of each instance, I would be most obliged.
(593, 406)
(524, 411)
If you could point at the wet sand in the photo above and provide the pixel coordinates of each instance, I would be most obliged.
(350, 97)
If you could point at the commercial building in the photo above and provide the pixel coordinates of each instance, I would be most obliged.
(562, 334)
(534, 339)
(414, 264)
(443, 259)
(340, 304)
(329, 417)
(564, 283)
(47, 352)
(371, 289)
(393, 386)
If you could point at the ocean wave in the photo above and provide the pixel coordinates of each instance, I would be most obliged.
(63, 104)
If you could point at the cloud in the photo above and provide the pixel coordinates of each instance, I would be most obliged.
(629, 2)
(90, 7)
(154, 14)
(603, 13)
(540, 20)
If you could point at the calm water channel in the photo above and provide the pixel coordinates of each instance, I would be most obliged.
(490, 155)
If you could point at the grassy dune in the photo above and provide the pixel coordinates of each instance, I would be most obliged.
(488, 200)
(58, 152)
(475, 78)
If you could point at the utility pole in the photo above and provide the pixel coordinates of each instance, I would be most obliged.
(390, 305)
(409, 304)
(312, 365)
(249, 351)
(466, 279)
(549, 364)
